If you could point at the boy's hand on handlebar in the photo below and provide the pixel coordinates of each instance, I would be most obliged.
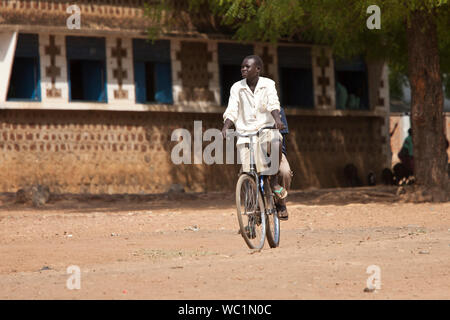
(277, 117)
(279, 125)
(224, 132)
(226, 126)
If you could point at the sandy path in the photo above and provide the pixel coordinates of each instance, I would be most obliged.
(190, 249)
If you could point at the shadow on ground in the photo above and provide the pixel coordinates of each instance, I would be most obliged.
(118, 203)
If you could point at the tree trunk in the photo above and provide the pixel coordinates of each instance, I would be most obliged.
(427, 106)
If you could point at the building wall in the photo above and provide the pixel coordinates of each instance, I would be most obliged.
(95, 14)
(124, 147)
(8, 42)
(128, 152)
(320, 147)
(98, 152)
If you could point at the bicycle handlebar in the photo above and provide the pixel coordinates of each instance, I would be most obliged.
(253, 134)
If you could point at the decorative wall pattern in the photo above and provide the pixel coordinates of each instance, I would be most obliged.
(54, 84)
(213, 69)
(323, 74)
(120, 70)
(383, 105)
(383, 89)
(177, 85)
(195, 76)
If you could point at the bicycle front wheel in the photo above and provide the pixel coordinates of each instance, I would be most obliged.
(250, 212)
(273, 223)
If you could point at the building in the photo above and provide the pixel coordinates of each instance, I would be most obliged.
(400, 122)
(93, 109)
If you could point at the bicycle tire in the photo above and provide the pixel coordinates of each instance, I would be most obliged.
(273, 221)
(251, 220)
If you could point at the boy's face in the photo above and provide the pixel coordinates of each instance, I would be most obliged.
(249, 69)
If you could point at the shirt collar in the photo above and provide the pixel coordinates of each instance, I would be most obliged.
(261, 84)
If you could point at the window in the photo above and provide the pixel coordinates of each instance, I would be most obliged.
(296, 79)
(86, 60)
(351, 84)
(25, 83)
(152, 71)
(230, 60)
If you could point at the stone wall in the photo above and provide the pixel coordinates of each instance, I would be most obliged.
(129, 152)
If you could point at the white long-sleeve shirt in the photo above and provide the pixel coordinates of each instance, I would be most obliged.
(252, 111)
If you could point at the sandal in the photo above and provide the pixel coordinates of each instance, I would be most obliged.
(282, 213)
(280, 192)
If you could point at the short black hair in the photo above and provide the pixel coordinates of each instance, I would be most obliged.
(258, 61)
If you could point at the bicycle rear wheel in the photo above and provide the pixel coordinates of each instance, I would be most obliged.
(250, 212)
(273, 222)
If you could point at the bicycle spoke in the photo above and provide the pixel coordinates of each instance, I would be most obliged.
(249, 212)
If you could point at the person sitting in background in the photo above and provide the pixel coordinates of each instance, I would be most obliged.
(341, 96)
(406, 154)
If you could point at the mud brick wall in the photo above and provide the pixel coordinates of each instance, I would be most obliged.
(101, 152)
(129, 152)
(319, 148)
(195, 76)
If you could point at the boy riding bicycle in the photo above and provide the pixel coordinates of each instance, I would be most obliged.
(253, 105)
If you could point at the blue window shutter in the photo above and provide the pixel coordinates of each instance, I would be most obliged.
(103, 95)
(27, 72)
(93, 80)
(22, 83)
(27, 46)
(297, 87)
(89, 53)
(37, 81)
(139, 81)
(158, 54)
(163, 83)
(25, 78)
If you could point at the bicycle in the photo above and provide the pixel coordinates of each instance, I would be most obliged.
(255, 202)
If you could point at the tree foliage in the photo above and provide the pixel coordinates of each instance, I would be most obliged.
(340, 24)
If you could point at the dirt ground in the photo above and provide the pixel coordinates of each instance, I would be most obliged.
(188, 247)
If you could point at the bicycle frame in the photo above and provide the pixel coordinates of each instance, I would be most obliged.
(253, 172)
(264, 198)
